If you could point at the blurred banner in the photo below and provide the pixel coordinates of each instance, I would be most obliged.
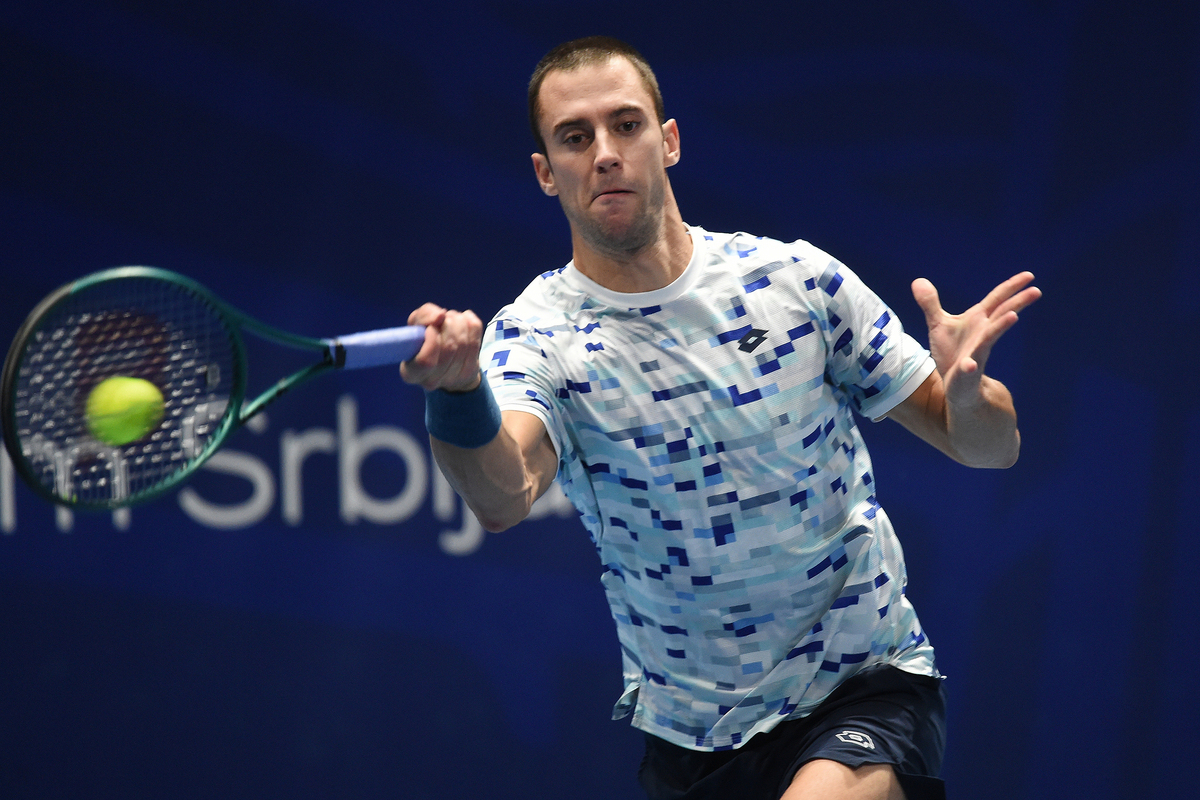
(316, 615)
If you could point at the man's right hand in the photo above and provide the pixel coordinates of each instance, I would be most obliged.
(449, 359)
(500, 480)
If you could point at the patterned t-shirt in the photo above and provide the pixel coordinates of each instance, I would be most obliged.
(705, 434)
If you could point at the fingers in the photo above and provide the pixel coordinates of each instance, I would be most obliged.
(1003, 315)
(428, 315)
(1020, 301)
(449, 358)
(1014, 294)
(961, 344)
(981, 342)
(1011, 295)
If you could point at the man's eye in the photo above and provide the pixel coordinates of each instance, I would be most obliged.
(628, 126)
(573, 139)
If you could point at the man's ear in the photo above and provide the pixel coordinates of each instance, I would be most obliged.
(671, 152)
(544, 173)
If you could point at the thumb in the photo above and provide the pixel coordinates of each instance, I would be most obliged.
(962, 383)
(926, 295)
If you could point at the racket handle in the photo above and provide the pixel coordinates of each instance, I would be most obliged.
(376, 348)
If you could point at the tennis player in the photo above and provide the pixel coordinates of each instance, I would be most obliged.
(694, 393)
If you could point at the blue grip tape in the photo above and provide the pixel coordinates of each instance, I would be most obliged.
(377, 348)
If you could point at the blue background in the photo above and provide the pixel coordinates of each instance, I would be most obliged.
(328, 166)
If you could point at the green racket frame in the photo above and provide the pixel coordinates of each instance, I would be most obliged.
(329, 352)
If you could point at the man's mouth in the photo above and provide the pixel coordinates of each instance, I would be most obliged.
(611, 192)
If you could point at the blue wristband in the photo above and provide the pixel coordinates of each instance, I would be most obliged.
(463, 419)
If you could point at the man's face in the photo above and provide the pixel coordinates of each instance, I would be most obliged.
(606, 155)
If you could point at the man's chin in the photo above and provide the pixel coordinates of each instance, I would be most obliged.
(621, 238)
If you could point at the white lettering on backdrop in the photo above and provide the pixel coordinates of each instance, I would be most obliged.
(423, 481)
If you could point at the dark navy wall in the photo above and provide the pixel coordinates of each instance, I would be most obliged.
(288, 627)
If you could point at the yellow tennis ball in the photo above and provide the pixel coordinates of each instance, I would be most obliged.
(121, 410)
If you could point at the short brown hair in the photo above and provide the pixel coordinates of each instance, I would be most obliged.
(589, 51)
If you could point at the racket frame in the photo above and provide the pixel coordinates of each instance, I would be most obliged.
(237, 411)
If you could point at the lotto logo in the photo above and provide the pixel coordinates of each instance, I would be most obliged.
(751, 340)
(854, 737)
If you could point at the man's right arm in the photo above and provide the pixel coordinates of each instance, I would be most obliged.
(501, 478)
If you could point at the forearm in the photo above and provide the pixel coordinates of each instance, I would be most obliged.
(494, 480)
(983, 433)
(980, 432)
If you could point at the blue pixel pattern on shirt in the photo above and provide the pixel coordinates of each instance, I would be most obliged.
(706, 436)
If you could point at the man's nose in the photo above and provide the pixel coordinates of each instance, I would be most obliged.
(607, 155)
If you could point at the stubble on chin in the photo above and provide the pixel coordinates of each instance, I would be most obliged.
(624, 240)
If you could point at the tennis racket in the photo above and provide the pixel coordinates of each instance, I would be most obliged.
(156, 325)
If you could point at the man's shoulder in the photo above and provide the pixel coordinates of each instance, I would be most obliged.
(544, 308)
(546, 294)
(755, 248)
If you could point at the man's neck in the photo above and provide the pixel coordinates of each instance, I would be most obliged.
(652, 267)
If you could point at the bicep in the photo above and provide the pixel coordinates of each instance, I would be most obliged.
(537, 449)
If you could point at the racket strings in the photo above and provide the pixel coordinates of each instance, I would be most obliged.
(142, 328)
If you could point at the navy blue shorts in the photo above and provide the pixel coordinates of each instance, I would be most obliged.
(880, 716)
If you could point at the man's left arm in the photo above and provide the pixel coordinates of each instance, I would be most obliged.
(958, 409)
